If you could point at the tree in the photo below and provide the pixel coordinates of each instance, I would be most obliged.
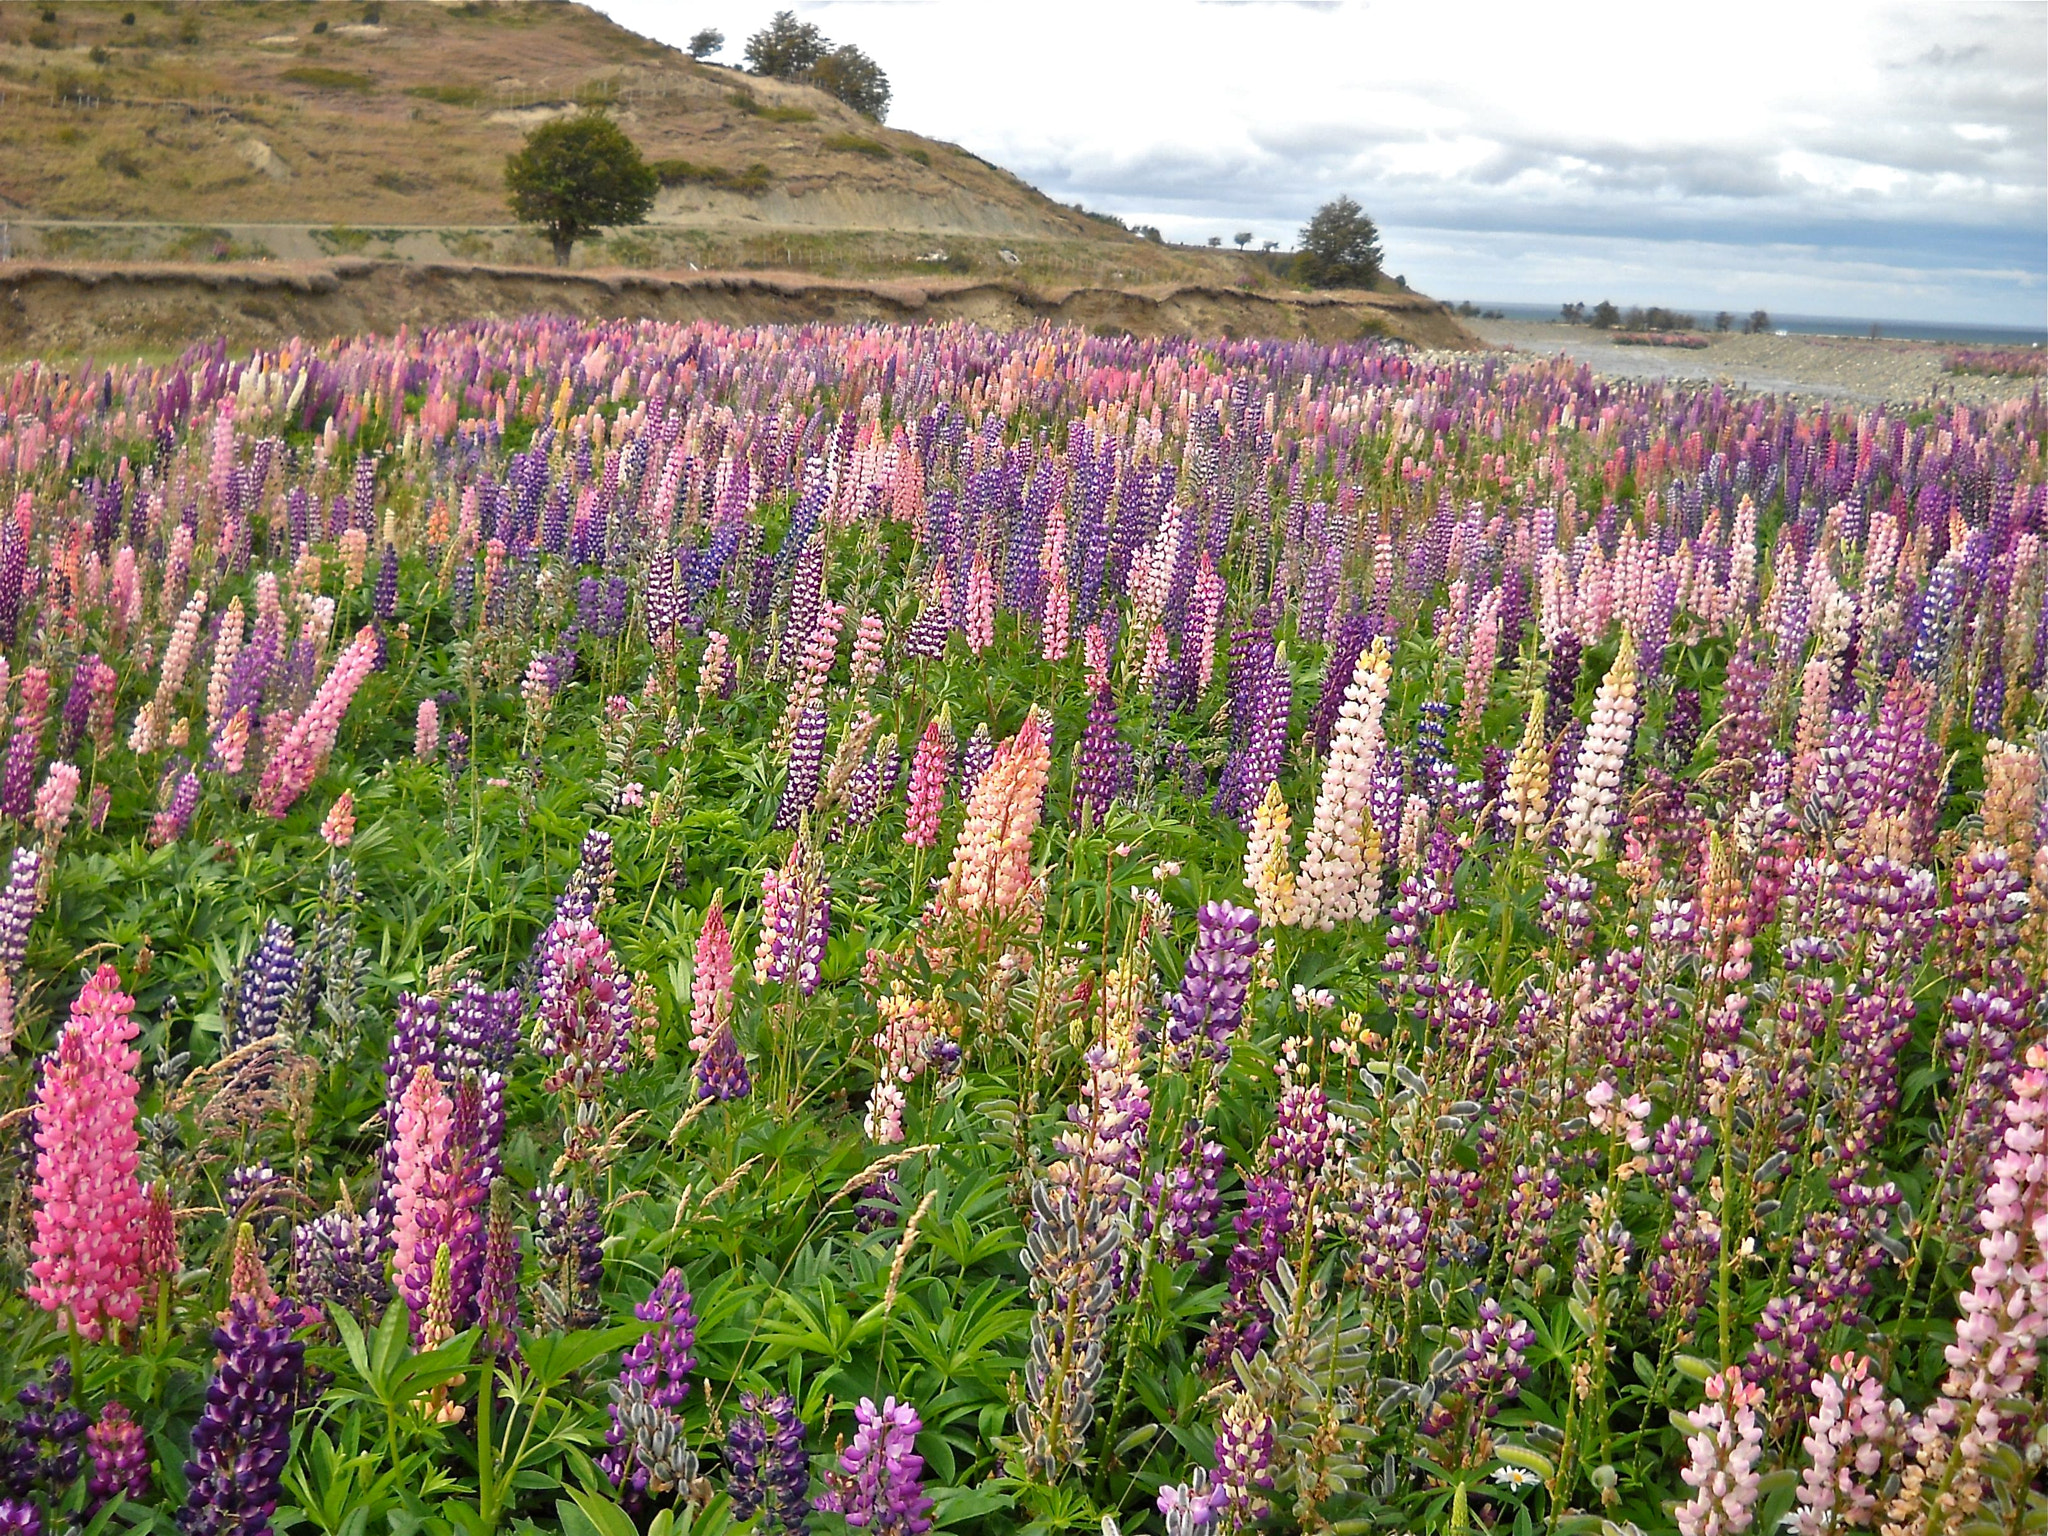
(1605, 316)
(855, 79)
(1758, 323)
(1215, 242)
(706, 43)
(1724, 321)
(1340, 248)
(786, 47)
(577, 175)
(1572, 314)
(1243, 238)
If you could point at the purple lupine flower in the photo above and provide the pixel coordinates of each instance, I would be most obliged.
(481, 1027)
(244, 1434)
(879, 1485)
(77, 704)
(722, 1069)
(20, 1517)
(1102, 762)
(44, 1453)
(1561, 683)
(1192, 1508)
(589, 890)
(1263, 1228)
(767, 1471)
(864, 792)
(583, 1017)
(255, 1005)
(1244, 1461)
(339, 1259)
(18, 903)
(384, 594)
(497, 1292)
(806, 764)
(120, 1459)
(647, 1455)
(1185, 1200)
(1210, 1001)
(13, 573)
(975, 757)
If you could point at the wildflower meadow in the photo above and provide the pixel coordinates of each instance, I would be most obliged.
(656, 928)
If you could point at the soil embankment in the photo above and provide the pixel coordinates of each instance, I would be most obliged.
(62, 309)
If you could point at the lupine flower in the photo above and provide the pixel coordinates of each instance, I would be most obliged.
(991, 868)
(1102, 762)
(646, 1457)
(304, 749)
(1596, 781)
(721, 1069)
(120, 1458)
(426, 732)
(1725, 1443)
(879, 1484)
(796, 919)
(929, 771)
(767, 1472)
(583, 1018)
(338, 828)
(89, 1204)
(1210, 1002)
(243, 1438)
(1340, 868)
(568, 1245)
(1244, 1461)
(1268, 864)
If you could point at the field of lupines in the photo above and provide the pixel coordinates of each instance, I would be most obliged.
(670, 929)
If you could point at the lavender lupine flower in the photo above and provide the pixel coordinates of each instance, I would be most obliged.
(583, 1017)
(255, 1007)
(120, 1458)
(589, 890)
(384, 595)
(1102, 762)
(1210, 1001)
(568, 1242)
(244, 1434)
(1192, 1508)
(767, 1472)
(879, 1485)
(806, 765)
(647, 1456)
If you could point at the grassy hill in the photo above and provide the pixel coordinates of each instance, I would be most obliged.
(291, 129)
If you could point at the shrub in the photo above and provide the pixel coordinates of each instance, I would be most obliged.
(751, 182)
(448, 95)
(320, 77)
(854, 144)
(753, 106)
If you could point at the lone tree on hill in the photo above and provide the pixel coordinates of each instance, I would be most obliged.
(577, 175)
(855, 79)
(1340, 248)
(786, 47)
(706, 43)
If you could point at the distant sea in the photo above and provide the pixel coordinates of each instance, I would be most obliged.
(1830, 325)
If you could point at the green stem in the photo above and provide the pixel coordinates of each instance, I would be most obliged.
(486, 1493)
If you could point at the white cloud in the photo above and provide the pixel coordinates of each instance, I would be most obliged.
(1902, 140)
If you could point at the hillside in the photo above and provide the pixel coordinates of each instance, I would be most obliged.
(238, 129)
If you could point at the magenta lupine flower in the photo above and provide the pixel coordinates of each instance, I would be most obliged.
(879, 1485)
(721, 1069)
(1263, 1228)
(304, 749)
(90, 1207)
(584, 1016)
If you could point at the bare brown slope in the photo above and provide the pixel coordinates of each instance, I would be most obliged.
(62, 310)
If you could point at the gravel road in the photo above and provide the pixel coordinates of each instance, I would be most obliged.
(1832, 367)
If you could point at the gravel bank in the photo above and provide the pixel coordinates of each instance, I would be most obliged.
(1832, 367)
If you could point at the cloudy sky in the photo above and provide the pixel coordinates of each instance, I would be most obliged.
(1841, 159)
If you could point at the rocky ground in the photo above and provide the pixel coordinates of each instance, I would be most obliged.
(1831, 367)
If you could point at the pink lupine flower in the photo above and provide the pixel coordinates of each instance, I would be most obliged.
(930, 770)
(304, 750)
(90, 1207)
(338, 830)
(1723, 1448)
(56, 800)
(426, 731)
(425, 1188)
(711, 986)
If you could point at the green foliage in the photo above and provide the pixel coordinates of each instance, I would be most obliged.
(448, 95)
(323, 78)
(751, 182)
(577, 175)
(855, 79)
(753, 106)
(1340, 247)
(786, 47)
(855, 144)
(706, 43)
